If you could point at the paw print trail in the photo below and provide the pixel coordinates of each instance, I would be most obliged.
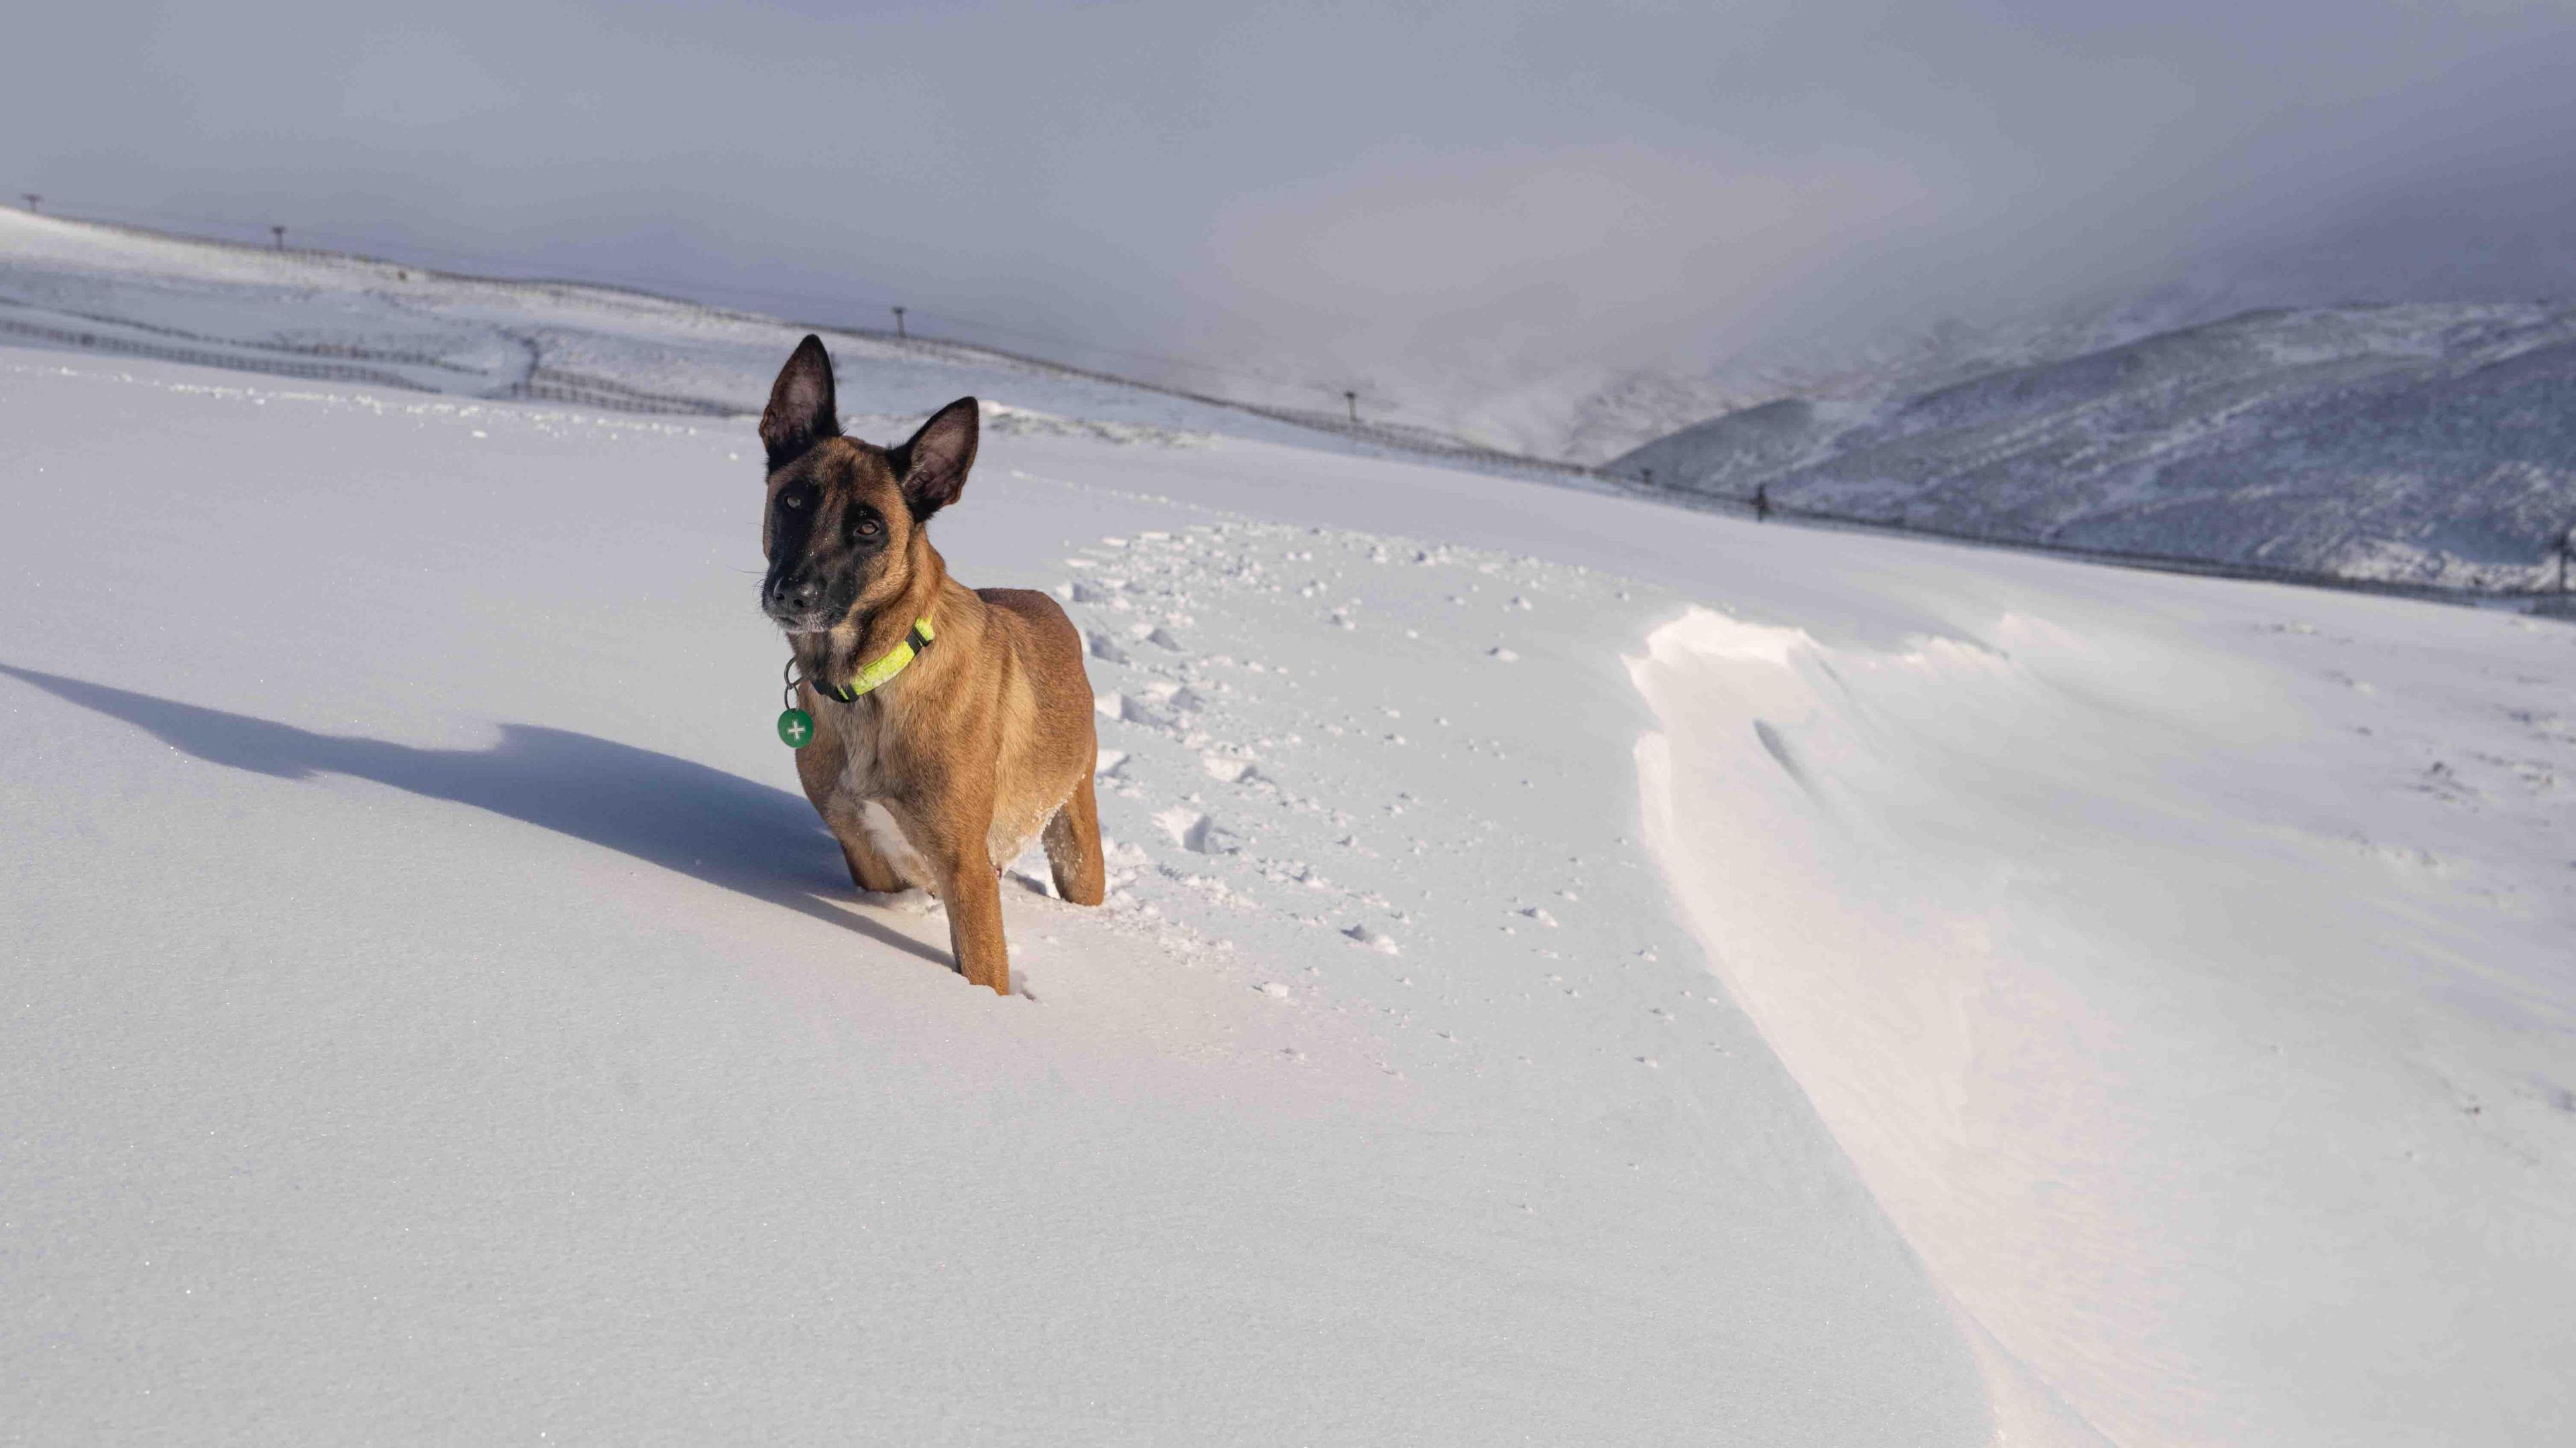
(1308, 761)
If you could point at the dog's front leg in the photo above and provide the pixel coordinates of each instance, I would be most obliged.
(974, 898)
(955, 844)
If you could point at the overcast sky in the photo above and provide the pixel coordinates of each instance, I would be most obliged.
(1312, 188)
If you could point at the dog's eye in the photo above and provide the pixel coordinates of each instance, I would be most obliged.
(868, 528)
(793, 498)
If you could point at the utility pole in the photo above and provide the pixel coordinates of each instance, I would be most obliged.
(34, 201)
(898, 322)
(280, 233)
(1353, 398)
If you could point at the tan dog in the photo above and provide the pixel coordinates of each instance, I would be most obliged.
(950, 726)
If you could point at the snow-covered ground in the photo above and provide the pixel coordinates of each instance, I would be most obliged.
(1576, 971)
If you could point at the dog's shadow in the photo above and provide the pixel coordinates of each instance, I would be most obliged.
(720, 828)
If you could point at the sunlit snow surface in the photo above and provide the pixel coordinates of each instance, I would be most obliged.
(2197, 1006)
(434, 1012)
(1575, 971)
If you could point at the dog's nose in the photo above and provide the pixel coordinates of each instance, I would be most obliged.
(801, 593)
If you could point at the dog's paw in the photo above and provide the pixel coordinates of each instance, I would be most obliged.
(904, 902)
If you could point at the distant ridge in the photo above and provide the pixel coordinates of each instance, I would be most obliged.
(2424, 445)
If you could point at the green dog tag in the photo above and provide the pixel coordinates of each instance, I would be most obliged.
(795, 727)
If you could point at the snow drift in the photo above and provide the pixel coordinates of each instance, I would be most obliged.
(2155, 1074)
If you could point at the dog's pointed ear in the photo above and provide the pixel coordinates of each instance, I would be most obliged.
(933, 464)
(801, 411)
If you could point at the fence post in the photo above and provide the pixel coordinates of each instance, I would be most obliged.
(1353, 398)
(898, 323)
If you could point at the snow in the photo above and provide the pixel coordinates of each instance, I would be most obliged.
(1826, 989)
(2171, 1028)
(332, 318)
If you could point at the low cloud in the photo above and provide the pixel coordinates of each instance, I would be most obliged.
(1314, 192)
(1529, 258)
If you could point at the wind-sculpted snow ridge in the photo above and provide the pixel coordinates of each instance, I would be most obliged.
(2429, 445)
(2170, 1033)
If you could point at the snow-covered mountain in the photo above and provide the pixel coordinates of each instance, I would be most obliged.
(1586, 411)
(1576, 969)
(2426, 444)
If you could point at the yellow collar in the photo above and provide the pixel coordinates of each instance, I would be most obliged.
(875, 675)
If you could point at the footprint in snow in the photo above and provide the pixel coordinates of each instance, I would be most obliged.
(1362, 935)
(1227, 769)
(1172, 695)
(1126, 710)
(1197, 833)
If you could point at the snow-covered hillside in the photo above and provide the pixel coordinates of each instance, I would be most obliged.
(105, 290)
(1575, 971)
(2422, 444)
(334, 317)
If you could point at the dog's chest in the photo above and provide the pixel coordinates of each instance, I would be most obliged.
(864, 766)
(867, 776)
